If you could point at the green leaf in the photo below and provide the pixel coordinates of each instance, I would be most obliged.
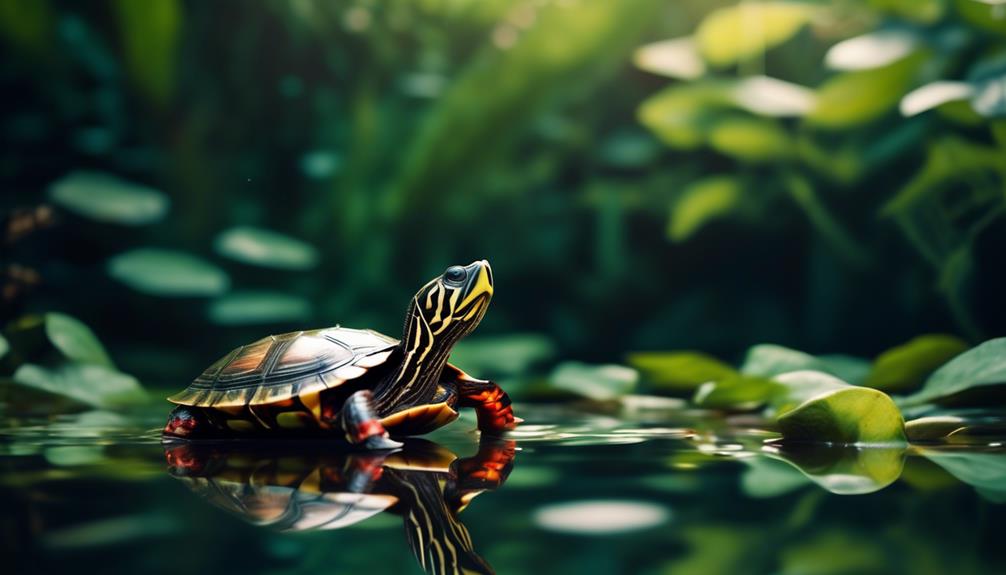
(922, 11)
(986, 472)
(737, 393)
(266, 248)
(149, 32)
(933, 95)
(678, 58)
(597, 382)
(511, 354)
(770, 360)
(906, 366)
(981, 367)
(729, 35)
(4, 346)
(702, 202)
(89, 384)
(846, 470)
(768, 96)
(681, 371)
(846, 416)
(848, 368)
(107, 198)
(770, 477)
(988, 79)
(982, 14)
(873, 50)
(75, 340)
(258, 307)
(168, 273)
(855, 98)
(750, 139)
(682, 115)
(798, 387)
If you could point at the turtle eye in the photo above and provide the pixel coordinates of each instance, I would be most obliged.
(455, 274)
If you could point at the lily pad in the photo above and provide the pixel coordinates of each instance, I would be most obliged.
(981, 367)
(847, 415)
(906, 366)
(258, 307)
(88, 384)
(701, 202)
(107, 198)
(75, 340)
(746, 30)
(266, 248)
(736, 392)
(597, 382)
(681, 371)
(168, 273)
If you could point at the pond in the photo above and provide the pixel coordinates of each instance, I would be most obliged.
(643, 486)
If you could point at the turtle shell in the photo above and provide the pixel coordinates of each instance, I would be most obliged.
(281, 367)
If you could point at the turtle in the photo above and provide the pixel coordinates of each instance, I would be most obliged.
(359, 383)
(311, 488)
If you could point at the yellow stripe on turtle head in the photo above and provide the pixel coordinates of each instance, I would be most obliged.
(483, 286)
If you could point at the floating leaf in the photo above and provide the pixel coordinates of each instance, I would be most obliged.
(906, 366)
(266, 248)
(769, 360)
(597, 382)
(797, 387)
(846, 470)
(701, 202)
(845, 416)
(678, 58)
(75, 340)
(107, 198)
(773, 97)
(986, 472)
(602, 517)
(872, 50)
(735, 393)
(168, 273)
(848, 368)
(981, 367)
(750, 139)
(740, 32)
(258, 307)
(681, 371)
(89, 384)
(933, 95)
(854, 98)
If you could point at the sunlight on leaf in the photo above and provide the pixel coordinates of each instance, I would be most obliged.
(740, 32)
(678, 58)
(107, 198)
(933, 95)
(702, 202)
(773, 97)
(906, 366)
(265, 248)
(600, 517)
(872, 50)
(168, 273)
(981, 367)
(680, 371)
(259, 307)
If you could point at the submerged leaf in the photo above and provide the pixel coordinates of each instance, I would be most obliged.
(846, 416)
(701, 202)
(107, 198)
(681, 371)
(981, 367)
(740, 32)
(94, 385)
(168, 273)
(266, 248)
(905, 367)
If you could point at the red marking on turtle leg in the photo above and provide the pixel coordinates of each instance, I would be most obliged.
(491, 403)
(369, 428)
(183, 422)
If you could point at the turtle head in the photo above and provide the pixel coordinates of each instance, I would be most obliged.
(450, 306)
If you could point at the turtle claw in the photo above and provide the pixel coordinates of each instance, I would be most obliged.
(381, 442)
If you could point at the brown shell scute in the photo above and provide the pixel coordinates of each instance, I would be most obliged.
(280, 367)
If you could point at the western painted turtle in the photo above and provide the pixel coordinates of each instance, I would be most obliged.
(310, 488)
(359, 383)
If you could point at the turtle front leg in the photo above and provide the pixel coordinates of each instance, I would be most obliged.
(491, 403)
(359, 420)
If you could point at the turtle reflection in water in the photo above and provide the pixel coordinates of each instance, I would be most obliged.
(357, 383)
(300, 489)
